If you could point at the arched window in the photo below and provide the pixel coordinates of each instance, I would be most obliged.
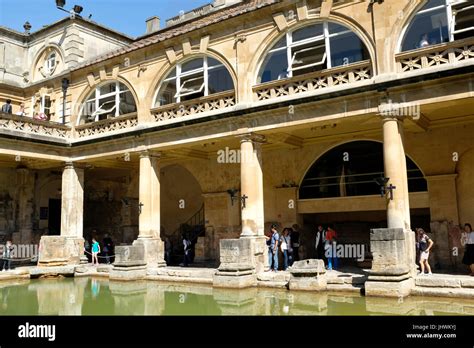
(350, 169)
(106, 101)
(194, 79)
(50, 63)
(440, 21)
(312, 48)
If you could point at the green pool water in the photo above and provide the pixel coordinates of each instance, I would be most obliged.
(85, 296)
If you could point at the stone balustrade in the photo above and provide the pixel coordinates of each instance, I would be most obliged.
(26, 124)
(435, 56)
(214, 102)
(106, 126)
(314, 81)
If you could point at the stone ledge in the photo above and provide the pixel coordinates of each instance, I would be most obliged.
(467, 283)
(273, 277)
(443, 292)
(53, 270)
(344, 288)
(181, 280)
(437, 282)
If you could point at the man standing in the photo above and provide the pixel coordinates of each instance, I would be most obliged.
(7, 108)
(320, 242)
(295, 240)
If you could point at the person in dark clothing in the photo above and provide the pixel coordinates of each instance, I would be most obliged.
(295, 240)
(108, 248)
(7, 108)
(187, 251)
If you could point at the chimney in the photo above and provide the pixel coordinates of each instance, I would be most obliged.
(152, 24)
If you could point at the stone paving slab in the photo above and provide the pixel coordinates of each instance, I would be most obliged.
(52, 271)
(15, 274)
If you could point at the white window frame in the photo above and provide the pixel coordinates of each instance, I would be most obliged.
(204, 70)
(289, 45)
(50, 62)
(99, 96)
(43, 105)
(451, 19)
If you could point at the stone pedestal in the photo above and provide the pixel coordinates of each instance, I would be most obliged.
(154, 251)
(60, 251)
(392, 266)
(130, 263)
(236, 269)
(308, 275)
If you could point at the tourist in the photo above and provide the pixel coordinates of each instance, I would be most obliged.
(7, 254)
(424, 245)
(295, 240)
(268, 239)
(284, 246)
(424, 41)
(468, 258)
(320, 242)
(22, 110)
(168, 249)
(187, 251)
(95, 252)
(274, 248)
(108, 247)
(329, 247)
(7, 107)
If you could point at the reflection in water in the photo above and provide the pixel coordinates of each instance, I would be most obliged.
(83, 296)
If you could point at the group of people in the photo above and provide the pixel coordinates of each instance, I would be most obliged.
(326, 237)
(8, 109)
(286, 244)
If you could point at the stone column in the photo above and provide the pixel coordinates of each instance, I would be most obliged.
(25, 182)
(251, 182)
(393, 248)
(68, 248)
(149, 210)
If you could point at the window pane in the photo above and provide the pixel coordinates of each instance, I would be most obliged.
(309, 54)
(427, 29)
(106, 107)
(336, 28)
(192, 65)
(89, 108)
(347, 49)
(308, 32)
(192, 87)
(281, 43)
(212, 62)
(219, 80)
(464, 15)
(274, 67)
(127, 103)
(167, 94)
(108, 88)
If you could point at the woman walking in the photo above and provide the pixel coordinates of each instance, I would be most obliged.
(424, 245)
(468, 258)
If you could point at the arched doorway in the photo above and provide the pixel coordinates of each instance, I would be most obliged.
(182, 210)
(339, 189)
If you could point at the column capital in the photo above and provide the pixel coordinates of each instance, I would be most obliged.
(74, 165)
(150, 154)
(253, 137)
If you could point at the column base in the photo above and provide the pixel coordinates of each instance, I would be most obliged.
(398, 289)
(60, 251)
(154, 251)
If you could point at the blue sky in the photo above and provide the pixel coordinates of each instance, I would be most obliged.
(127, 16)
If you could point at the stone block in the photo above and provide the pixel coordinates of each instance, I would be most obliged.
(467, 282)
(310, 267)
(128, 273)
(129, 256)
(389, 289)
(153, 251)
(441, 282)
(59, 250)
(308, 275)
(237, 281)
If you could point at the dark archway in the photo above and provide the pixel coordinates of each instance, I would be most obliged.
(350, 169)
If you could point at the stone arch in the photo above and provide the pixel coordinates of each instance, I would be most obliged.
(39, 56)
(275, 35)
(340, 144)
(89, 89)
(155, 84)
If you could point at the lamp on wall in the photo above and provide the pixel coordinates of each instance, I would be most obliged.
(382, 182)
(232, 194)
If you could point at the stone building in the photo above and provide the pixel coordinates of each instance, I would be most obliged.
(241, 114)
